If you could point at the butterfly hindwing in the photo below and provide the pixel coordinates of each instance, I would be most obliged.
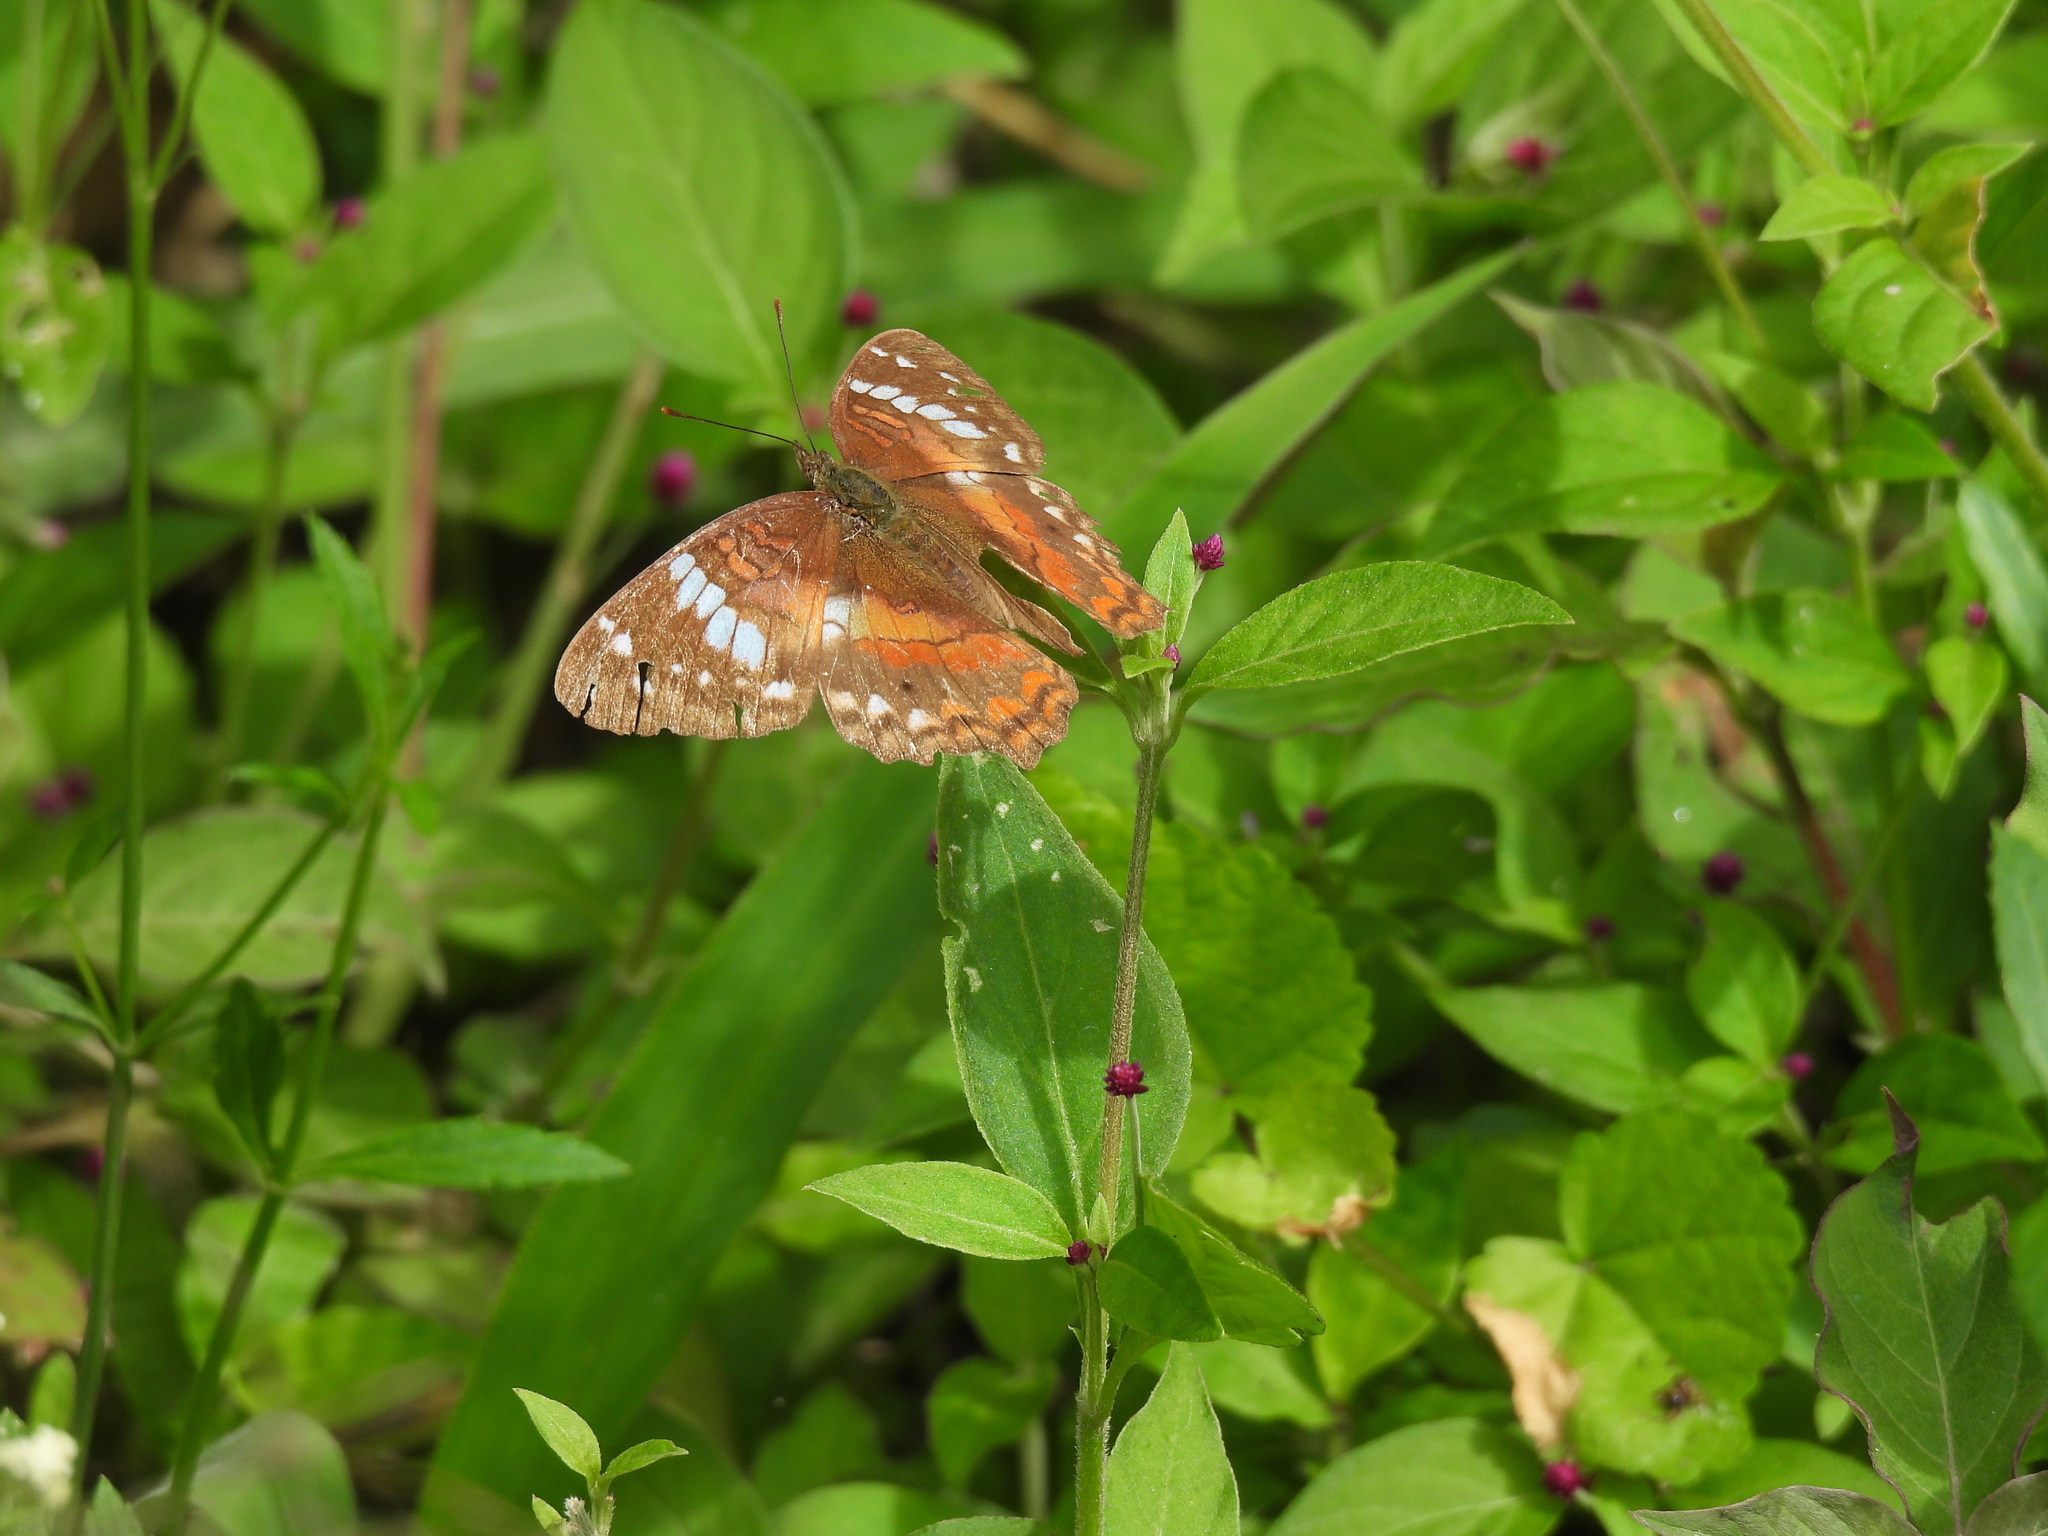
(719, 637)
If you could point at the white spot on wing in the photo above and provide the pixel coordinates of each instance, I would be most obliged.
(607, 623)
(878, 706)
(718, 633)
(622, 642)
(879, 351)
(838, 608)
(687, 590)
(888, 391)
(703, 679)
(709, 599)
(1010, 452)
(949, 377)
(905, 403)
(904, 362)
(676, 667)
(781, 688)
(681, 566)
(749, 646)
(933, 412)
(917, 720)
(962, 429)
(859, 386)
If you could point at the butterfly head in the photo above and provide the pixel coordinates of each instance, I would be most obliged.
(854, 489)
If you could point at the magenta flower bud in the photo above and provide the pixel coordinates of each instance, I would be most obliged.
(1079, 1253)
(1711, 214)
(1797, 1065)
(1722, 873)
(672, 477)
(1863, 125)
(486, 81)
(1209, 553)
(1565, 1478)
(349, 212)
(859, 310)
(1976, 616)
(931, 849)
(1125, 1080)
(1530, 155)
(1947, 445)
(306, 252)
(1172, 654)
(1599, 928)
(1314, 817)
(1584, 297)
(58, 797)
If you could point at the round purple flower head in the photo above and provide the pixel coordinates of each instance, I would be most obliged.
(1125, 1080)
(1209, 553)
(1722, 873)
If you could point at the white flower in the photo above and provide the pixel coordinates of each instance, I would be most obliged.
(42, 1459)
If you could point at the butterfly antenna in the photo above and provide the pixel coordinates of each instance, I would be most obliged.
(789, 372)
(710, 422)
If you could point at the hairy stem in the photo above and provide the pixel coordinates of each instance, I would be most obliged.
(390, 543)
(1702, 236)
(567, 580)
(1754, 87)
(1151, 760)
(1092, 1408)
(1975, 384)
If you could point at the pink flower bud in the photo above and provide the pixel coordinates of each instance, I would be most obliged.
(1797, 1065)
(58, 797)
(1172, 654)
(486, 81)
(1530, 155)
(1209, 553)
(349, 212)
(1976, 616)
(1722, 873)
(859, 310)
(1079, 1252)
(1584, 297)
(1565, 1478)
(1599, 928)
(1314, 817)
(1712, 215)
(672, 477)
(1125, 1080)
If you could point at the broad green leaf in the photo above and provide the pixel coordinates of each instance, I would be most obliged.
(473, 1153)
(1324, 1153)
(1147, 1283)
(1793, 414)
(830, 51)
(565, 1433)
(24, 988)
(701, 191)
(1795, 1511)
(863, 1509)
(1804, 50)
(1453, 1477)
(1968, 679)
(956, 1205)
(55, 325)
(1946, 169)
(1252, 1303)
(1581, 349)
(1744, 985)
(1346, 621)
(109, 1514)
(1435, 48)
(43, 1298)
(2020, 1508)
(252, 134)
(348, 40)
(1029, 977)
(1621, 458)
(1885, 314)
(1023, 1312)
(1235, 452)
(1936, 47)
(1788, 1463)
(1955, 1096)
(2015, 579)
(248, 1066)
(977, 1406)
(345, 1363)
(1261, 1384)
(2019, 896)
(1894, 446)
(1823, 204)
(1618, 1046)
(1372, 1322)
(702, 1111)
(304, 1248)
(280, 1474)
(1925, 1338)
(1168, 1475)
(983, 1525)
(1817, 653)
(1313, 146)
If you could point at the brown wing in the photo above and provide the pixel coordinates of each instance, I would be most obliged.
(910, 671)
(909, 411)
(720, 636)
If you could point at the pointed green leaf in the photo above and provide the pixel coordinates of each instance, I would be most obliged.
(955, 1205)
(1168, 1475)
(2015, 578)
(1934, 49)
(1312, 147)
(1452, 1477)
(2020, 1508)
(1821, 205)
(645, 1454)
(565, 1432)
(1744, 984)
(1251, 1302)
(1817, 653)
(248, 1066)
(979, 1405)
(29, 990)
(831, 51)
(1885, 314)
(1148, 1284)
(1958, 1101)
(1895, 446)
(1618, 1046)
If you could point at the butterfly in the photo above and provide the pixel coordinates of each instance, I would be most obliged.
(868, 588)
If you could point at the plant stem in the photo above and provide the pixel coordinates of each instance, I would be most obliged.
(1975, 384)
(400, 152)
(1034, 1469)
(567, 580)
(1151, 760)
(1846, 910)
(199, 1405)
(1646, 130)
(1752, 85)
(1092, 1409)
(106, 1245)
(234, 714)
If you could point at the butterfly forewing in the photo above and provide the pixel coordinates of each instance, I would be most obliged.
(910, 412)
(721, 636)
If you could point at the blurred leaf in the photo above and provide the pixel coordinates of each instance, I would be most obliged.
(280, 1474)
(1433, 52)
(1617, 1047)
(1887, 316)
(2019, 896)
(1824, 204)
(1946, 169)
(305, 1246)
(1453, 1477)
(1926, 55)
(1803, 57)
(1893, 446)
(1258, 1383)
(1168, 1472)
(608, 1273)
(1325, 1155)
(41, 1301)
(976, 1406)
(2020, 1508)
(30, 990)
(1785, 1512)
(1943, 1371)
(702, 193)
(1028, 976)
(1779, 1463)
(1023, 1312)
(1621, 458)
(252, 134)
(829, 51)
(109, 1514)
(1815, 652)
(50, 597)
(545, 322)
(1744, 985)
(2015, 580)
(349, 40)
(472, 1153)
(1581, 349)
(347, 1363)
(248, 1067)
(1312, 146)
(1793, 414)
(863, 1509)
(565, 1433)
(831, 1438)
(1957, 1100)
(54, 325)
(956, 1205)
(1147, 1284)
(1968, 680)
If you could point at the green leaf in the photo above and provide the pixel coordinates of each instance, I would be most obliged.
(248, 1067)
(1885, 314)
(830, 51)
(1168, 1475)
(601, 1293)
(367, 643)
(1233, 454)
(1323, 1150)
(252, 134)
(305, 1246)
(1823, 204)
(1621, 458)
(44, 1298)
(1785, 1512)
(1924, 1337)
(1941, 43)
(280, 1474)
(1618, 1046)
(473, 1153)
(1023, 1312)
(1804, 51)
(1817, 653)
(1787, 1463)
(983, 1525)
(1955, 1096)
(1581, 349)
(49, 597)
(1453, 1477)
(976, 1406)
(1372, 1322)
(1028, 981)
(566, 1434)
(1346, 621)
(1968, 679)
(2020, 1508)
(955, 1205)
(1433, 52)
(645, 1454)
(550, 1518)
(109, 1514)
(349, 40)
(1946, 169)
(1147, 1283)
(2015, 579)
(1744, 985)
(29, 990)
(1170, 576)
(1794, 415)
(1260, 1384)
(55, 325)
(2019, 910)
(1313, 147)
(702, 192)
(1893, 446)
(1251, 1303)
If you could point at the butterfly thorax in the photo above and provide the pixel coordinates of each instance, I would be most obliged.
(854, 489)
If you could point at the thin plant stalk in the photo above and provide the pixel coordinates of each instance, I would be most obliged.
(199, 1406)
(1092, 1408)
(1974, 382)
(234, 716)
(568, 579)
(1653, 141)
(399, 153)
(1151, 763)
